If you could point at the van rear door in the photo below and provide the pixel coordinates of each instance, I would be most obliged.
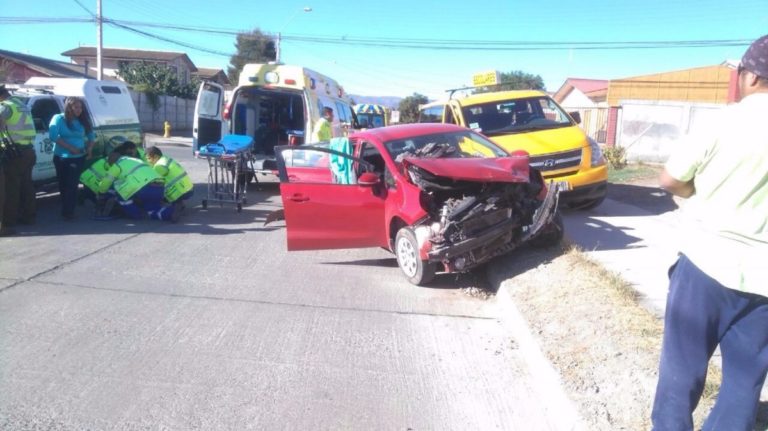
(208, 121)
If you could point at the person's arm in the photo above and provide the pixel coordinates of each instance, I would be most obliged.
(112, 173)
(90, 141)
(684, 189)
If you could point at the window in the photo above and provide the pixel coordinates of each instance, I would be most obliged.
(433, 114)
(110, 89)
(42, 112)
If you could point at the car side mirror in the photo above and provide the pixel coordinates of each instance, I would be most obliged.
(368, 179)
(576, 116)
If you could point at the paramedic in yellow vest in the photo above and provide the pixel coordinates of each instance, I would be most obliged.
(136, 182)
(323, 127)
(17, 126)
(90, 179)
(178, 185)
(130, 149)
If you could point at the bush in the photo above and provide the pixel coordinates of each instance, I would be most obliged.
(616, 156)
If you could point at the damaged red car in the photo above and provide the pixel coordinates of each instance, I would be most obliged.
(438, 196)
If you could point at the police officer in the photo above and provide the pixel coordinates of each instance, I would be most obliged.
(17, 126)
(178, 185)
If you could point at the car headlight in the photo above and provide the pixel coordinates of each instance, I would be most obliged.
(597, 154)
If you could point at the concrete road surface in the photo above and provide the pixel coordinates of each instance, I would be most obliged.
(210, 324)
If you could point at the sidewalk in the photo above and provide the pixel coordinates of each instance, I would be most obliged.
(638, 244)
(182, 139)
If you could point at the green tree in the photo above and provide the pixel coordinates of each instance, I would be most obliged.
(515, 80)
(252, 47)
(154, 80)
(409, 107)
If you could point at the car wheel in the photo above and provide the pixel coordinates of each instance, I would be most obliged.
(587, 205)
(418, 272)
(551, 234)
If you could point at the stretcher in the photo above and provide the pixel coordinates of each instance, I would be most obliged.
(229, 160)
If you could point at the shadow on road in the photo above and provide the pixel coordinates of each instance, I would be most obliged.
(647, 199)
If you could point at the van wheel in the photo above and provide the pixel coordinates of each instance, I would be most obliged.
(418, 272)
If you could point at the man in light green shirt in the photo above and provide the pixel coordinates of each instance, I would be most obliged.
(718, 292)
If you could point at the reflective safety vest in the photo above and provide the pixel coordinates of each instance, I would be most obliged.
(128, 175)
(21, 128)
(92, 176)
(177, 182)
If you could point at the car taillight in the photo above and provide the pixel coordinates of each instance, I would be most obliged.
(293, 140)
(227, 111)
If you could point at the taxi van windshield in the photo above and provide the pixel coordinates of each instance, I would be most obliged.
(514, 116)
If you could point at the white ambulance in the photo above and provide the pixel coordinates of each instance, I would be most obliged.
(275, 104)
(109, 104)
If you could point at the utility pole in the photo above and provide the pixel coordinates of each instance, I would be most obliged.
(279, 37)
(99, 66)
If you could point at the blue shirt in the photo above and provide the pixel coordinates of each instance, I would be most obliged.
(74, 136)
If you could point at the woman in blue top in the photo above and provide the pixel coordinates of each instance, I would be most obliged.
(73, 139)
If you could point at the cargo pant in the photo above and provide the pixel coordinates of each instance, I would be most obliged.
(19, 189)
(701, 313)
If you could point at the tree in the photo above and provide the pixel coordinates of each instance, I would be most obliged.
(154, 80)
(515, 80)
(252, 47)
(409, 107)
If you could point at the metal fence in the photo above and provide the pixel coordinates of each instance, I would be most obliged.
(179, 112)
(649, 129)
(594, 122)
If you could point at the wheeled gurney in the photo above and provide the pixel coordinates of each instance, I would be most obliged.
(228, 161)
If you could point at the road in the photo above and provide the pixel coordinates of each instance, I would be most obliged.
(211, 324)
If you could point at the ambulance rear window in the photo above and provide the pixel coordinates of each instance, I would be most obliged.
(110, 89)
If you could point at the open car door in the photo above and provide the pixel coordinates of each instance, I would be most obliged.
(322, 209)
(209, 121)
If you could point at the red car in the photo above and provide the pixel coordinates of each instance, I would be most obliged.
(438, 196)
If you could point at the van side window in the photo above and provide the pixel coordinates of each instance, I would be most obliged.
(342, 113)
(42, 112)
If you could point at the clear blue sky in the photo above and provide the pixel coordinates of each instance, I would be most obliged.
(398, 71)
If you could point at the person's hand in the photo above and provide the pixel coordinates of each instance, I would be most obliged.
(75, 150)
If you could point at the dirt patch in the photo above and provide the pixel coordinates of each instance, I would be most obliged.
(589, 323)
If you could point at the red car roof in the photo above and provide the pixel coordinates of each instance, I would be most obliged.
(402, 131)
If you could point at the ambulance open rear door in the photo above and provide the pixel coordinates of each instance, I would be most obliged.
(209, 123)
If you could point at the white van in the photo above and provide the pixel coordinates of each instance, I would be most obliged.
(109, 104)
(275, 104)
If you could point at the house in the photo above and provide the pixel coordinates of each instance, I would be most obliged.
(582, 93)
(17, 68)
(112, 57)
(215, 75)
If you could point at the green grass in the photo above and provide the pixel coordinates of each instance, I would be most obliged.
(632, 172)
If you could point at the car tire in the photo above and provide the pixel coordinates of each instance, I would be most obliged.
(418, 271)
(551, 234)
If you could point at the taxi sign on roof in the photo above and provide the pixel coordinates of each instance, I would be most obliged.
(481, 79)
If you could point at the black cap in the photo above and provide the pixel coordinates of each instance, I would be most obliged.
(755, 59)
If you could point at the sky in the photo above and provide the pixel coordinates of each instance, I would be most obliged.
(367, 46)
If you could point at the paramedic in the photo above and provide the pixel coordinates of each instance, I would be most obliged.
(178, 186)
(90, 179)
(16, 126)
(73, 137)
(323, 131)
(134, 181)
(718, 294)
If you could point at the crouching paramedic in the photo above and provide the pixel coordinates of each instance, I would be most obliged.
(178, 185)
(90, 179)
(139, 188)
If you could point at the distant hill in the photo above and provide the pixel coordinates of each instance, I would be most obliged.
(390, 101)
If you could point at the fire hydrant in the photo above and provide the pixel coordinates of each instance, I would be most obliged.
(166, 129)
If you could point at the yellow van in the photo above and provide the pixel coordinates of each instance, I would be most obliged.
(530, 120)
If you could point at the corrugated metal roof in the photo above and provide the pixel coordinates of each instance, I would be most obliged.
(130, 54)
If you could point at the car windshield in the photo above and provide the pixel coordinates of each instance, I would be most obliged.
(452, 144)
(515, 116)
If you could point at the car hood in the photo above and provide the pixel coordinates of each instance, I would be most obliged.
(512, 169)
(539, 142)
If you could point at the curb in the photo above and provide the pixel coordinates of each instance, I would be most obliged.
(561, 411)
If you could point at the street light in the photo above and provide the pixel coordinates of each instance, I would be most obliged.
(277, 44)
